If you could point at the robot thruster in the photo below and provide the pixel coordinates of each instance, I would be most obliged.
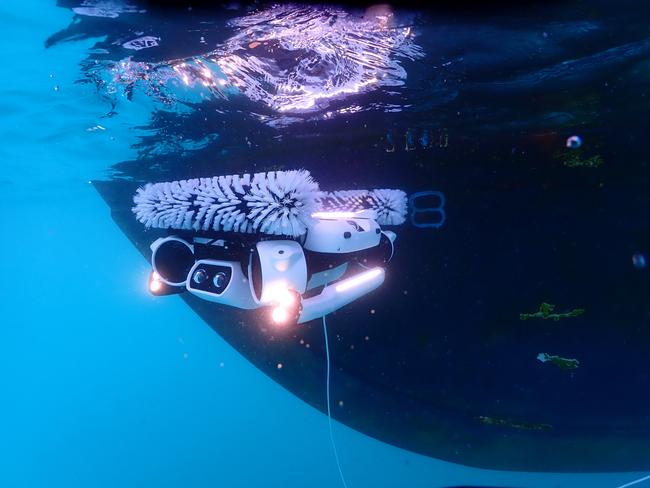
(269, 240)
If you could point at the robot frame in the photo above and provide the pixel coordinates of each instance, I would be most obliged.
(316, 254)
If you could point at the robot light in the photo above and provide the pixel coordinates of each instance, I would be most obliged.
(358, 280)
(286, 299)
(334, 215)
(155, 285)
(275, 293)
(280, 315)
(279, 294)
(285, 302)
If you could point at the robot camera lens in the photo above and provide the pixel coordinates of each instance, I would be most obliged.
(200, 275)
(219, 279)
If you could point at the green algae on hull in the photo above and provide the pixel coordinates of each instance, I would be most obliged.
(546, 312)
(574, 158)
(484, 419)
(560, 362)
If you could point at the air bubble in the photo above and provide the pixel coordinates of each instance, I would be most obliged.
(574, 142)
(639, 261)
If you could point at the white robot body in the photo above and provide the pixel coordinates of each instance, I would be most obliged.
(341, 293)
(322, 278)
(236, 291)
(282, 266)
(342, 234)
(281, 274)
(272, 239)
(165, 275)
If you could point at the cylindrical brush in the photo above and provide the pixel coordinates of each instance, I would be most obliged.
(276, 203)
(390, 206)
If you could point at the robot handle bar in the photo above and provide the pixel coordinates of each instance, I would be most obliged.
(341, 293)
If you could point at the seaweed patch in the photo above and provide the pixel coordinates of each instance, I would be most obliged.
(546, 312)
(484, 419)
(560, 362)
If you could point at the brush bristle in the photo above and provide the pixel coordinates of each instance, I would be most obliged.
(275, 203)
(390, 206)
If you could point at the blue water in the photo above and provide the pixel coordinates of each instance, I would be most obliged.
(103, 385)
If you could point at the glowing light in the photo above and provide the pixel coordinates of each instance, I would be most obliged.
(358, 280)
(334, 215)
(279, 294)
(280, 315)
(286, 299)
(155, 276)
(155, 286)
(272, 291)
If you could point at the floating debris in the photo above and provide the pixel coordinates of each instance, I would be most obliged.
(512, 424)
(560, 362)
(546, 312)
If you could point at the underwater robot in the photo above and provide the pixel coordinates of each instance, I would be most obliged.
(269, 240)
